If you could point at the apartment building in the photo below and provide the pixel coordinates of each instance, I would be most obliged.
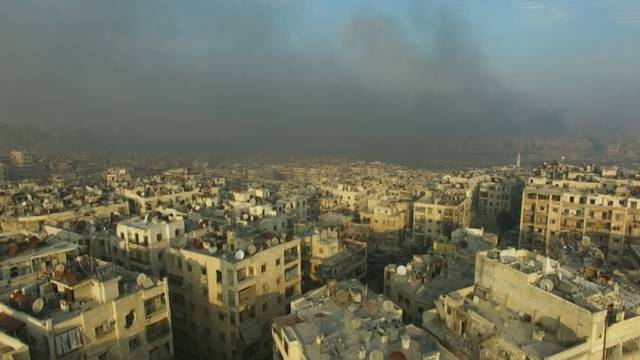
(116, 176)
(438, 213)
(140, 243)
(27, 258)
(526, 306)
(500, 194)
(450, 266)
(553, 215)
(327, 253)
(227, 287)
(143, 199)
(12, 348)
(91, 310)
(385, 215)
(344, 320)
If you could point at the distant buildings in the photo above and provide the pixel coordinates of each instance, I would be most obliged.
(561, 205)
(226, 287)
(343, 320)
(437, 214)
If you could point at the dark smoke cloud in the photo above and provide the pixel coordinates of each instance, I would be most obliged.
(233, 77)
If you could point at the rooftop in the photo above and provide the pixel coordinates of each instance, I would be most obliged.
(345, 320)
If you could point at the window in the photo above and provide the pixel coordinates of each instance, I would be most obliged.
(159, 237)
(218, 276)
(104, 356)
(69, 340)
(129, 319)
(265, 306)
(277, 262)
(177, 232)
(263, 268)
(134, 343)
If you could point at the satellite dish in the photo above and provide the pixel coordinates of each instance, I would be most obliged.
(37, 305)
(251, 249)
(402, 270)
(213, 250)
(342, 296)
(387, 305)
(372, 307)
(141, 279)
(376, 355)
(356, 323)
(546, 284)
(147, 283)
(586, 241)
(239, 255)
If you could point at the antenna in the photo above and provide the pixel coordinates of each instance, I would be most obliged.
(251, 249)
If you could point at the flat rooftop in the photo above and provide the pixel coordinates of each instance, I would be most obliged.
(342, 322)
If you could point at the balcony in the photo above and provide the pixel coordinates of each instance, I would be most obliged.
(247, 296)
(154, 306)
(158, 330)
(291, 255)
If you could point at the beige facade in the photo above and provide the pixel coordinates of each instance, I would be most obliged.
(141, 242)
(346, 321)
(525, 306)
(27, 259)
(437, 214)
(226, 290)
(93, 312)
(415, 286)
(328, 254)
(555, 214)
(12, 348)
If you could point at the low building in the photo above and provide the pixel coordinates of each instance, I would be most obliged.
(12, 348)
(92, 310)
(439, 213)
(329, 254)
(526, 306)
(227, 287)
(142, 241)
(450, 266)
(26, 258)
(343, 320)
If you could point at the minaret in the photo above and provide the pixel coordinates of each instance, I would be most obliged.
(518, 160)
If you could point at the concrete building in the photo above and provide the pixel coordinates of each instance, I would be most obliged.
(328, 254)
(525, 306)
(343, 320)
(91, 310)
(26, 258)
(146, 199)
(116, 176)
(141, 242)
(227, 287)
(553, 216)
(449, 266)
(3, 172)
(12, 348)
(438, 213)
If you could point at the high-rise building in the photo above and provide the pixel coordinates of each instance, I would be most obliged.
(226, 288)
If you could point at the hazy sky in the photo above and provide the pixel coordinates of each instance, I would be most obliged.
(319, 77)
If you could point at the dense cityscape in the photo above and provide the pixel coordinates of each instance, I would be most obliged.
(319, 180)
(324, 259)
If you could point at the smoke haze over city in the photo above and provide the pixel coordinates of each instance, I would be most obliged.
(369, 79)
